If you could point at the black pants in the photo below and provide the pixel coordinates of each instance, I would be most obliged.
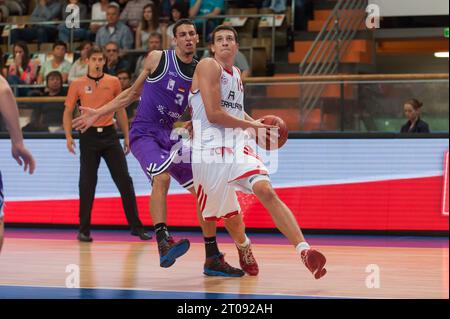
(95, 145)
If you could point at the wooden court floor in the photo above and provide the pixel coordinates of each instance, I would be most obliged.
(356, 268)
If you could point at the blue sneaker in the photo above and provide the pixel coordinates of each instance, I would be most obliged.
(169, 251)
(217, 266)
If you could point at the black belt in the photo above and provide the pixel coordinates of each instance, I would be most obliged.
(101, 129)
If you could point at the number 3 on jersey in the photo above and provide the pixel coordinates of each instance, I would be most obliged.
(179, 99)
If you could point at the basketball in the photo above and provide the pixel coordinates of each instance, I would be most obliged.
(282, 133)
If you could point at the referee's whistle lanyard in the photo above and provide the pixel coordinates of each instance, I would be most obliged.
(96, 79)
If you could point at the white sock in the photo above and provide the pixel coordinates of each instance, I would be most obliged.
(301, 247)
(245, 243)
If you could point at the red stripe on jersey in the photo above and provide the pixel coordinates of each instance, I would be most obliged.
(200, 188)
(214, 218)
(250, 173)
(204, 203)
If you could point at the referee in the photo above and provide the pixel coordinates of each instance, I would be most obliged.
(100, 141)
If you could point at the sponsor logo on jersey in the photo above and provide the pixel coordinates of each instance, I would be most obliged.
(171, 85)
(231, 105)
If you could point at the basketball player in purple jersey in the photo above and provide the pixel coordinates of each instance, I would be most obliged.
(10, 114)
(163, 88)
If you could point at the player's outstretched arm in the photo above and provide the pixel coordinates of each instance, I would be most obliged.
(123, 100)
(10, 113)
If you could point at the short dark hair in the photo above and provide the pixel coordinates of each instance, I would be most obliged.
(96, 49)
(157, 35)
(54, 73)
(60, 43)
(124, 71)
(180, 8)
(183, 22)
(84, 44)
(226, 28)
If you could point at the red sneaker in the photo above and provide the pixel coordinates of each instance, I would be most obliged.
(314, 261)
(247, 261)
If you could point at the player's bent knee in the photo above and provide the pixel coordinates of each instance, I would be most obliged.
(234, 222)
(161, 181)
(264, 191)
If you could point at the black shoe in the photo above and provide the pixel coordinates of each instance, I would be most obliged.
(84, 238)
(217, 266)
(169, 251)
(141, 233)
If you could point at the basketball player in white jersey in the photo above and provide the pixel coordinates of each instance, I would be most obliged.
(223, 164)
(10, 114)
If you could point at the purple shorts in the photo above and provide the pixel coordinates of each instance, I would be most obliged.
(157, 153)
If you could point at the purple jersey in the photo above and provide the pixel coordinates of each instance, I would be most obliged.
(165, 97)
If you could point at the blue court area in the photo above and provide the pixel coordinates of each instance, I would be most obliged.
(17, 292)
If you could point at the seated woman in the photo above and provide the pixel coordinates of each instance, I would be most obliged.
(80, 67)
(412, 109)
(22, 69)
(148, 24)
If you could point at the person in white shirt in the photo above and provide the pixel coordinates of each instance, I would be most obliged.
(98, 12)
(80, 67)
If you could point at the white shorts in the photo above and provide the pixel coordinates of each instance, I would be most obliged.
(220, 174)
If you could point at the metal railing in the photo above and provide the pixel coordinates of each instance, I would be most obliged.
(329, 47)
(375, 104)
(220, 17)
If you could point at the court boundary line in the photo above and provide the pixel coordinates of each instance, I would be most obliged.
(182, 291)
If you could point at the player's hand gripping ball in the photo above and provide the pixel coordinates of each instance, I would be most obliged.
(266, 143)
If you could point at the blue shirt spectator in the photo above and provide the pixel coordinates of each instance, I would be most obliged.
(206, 8)
(114, 30)
(46, 10)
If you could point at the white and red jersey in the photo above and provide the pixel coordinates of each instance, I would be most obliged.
(206, 134)
(223, 162)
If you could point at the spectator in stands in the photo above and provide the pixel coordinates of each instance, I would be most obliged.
(278, 6)
(3, 19)
(80, 67)
(132, 13)
(56, 62)
(114, 62)
(176, 14)
(124, 77)
(81, 33)
(22, 69)
(412, 109)
(154, 42)
(206, 8)
(54, 85)
(48, 114)
(45, 11)
(98, 12)
(114, 30)
(148, 24)
(13, 7)
(166, 7)
(122, 4)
